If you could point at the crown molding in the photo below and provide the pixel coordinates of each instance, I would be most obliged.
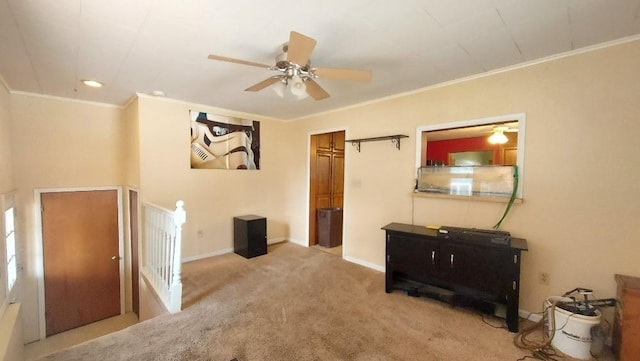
(570, 53)
(63, 99)
(209, 108)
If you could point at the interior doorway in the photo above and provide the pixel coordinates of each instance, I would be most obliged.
(81, 242)
(326, 169)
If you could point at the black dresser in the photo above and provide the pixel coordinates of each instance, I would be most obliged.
(457, 271)
(250, 236)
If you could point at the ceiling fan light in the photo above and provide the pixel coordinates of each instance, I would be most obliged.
(280, 88)
(297, 87)
(498, 137)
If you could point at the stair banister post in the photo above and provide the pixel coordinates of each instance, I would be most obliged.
(180, 217)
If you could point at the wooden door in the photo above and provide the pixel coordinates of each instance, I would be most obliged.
(326, 176)
(81, 258)
(135, 265)
(510, 156)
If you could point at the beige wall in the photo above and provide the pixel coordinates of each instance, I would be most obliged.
(212, 197)
(61, 143)
(58, 144)
(131, 170)
(11, 341)
(6, 169)
(10, 327)
(582, 172)
(131, 145)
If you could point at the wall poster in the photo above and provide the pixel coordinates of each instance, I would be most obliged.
(222, 142)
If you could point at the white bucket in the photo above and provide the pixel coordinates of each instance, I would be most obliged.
(573, 331)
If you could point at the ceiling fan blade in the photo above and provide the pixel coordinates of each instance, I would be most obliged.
(300, 48)
(263, 84)
(344, 74)
(238, 61)
(315, 90)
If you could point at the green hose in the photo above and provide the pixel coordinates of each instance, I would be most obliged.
(512, 199)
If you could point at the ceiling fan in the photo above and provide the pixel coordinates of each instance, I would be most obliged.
(297, 77)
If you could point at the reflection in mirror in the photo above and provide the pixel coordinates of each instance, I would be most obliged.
(473, 145)
(480, 142)
(481, 157)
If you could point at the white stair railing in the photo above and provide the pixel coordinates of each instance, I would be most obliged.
(163, 245)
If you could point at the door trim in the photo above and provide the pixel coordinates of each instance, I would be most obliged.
(308, 186)
(40, 249)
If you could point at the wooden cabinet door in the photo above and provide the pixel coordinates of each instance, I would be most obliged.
(324, 183)
(338, 141)
(330, 142)
(412, 256)
(337, 180)
(482, 268)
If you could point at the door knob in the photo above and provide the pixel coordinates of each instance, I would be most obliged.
(116, 258)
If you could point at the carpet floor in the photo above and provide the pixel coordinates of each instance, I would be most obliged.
(298, 303)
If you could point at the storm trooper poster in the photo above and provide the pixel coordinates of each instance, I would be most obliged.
(222, 142)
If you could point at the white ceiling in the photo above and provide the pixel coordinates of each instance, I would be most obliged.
(138, 46)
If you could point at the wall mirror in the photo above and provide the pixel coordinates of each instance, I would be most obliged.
(494, 141)
(475, 157)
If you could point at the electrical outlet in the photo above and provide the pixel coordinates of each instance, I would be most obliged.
(543, 278)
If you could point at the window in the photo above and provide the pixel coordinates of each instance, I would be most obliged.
(10, 241)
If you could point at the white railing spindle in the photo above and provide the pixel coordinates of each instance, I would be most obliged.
(163, 230)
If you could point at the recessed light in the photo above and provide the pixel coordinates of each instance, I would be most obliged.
(92, 83)
(157, 93)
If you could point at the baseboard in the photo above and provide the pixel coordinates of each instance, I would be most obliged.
(535, 317)
(364, 263)
(226, 250)
(298, 242)
(276, 240)
(206, 255)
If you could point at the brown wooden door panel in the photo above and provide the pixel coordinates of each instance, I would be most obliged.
(135, 265)
(337, 184)
(338, 141)
(80, 237)
(323, 202)
(337, 201)
(324, 142)
(323, 175)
